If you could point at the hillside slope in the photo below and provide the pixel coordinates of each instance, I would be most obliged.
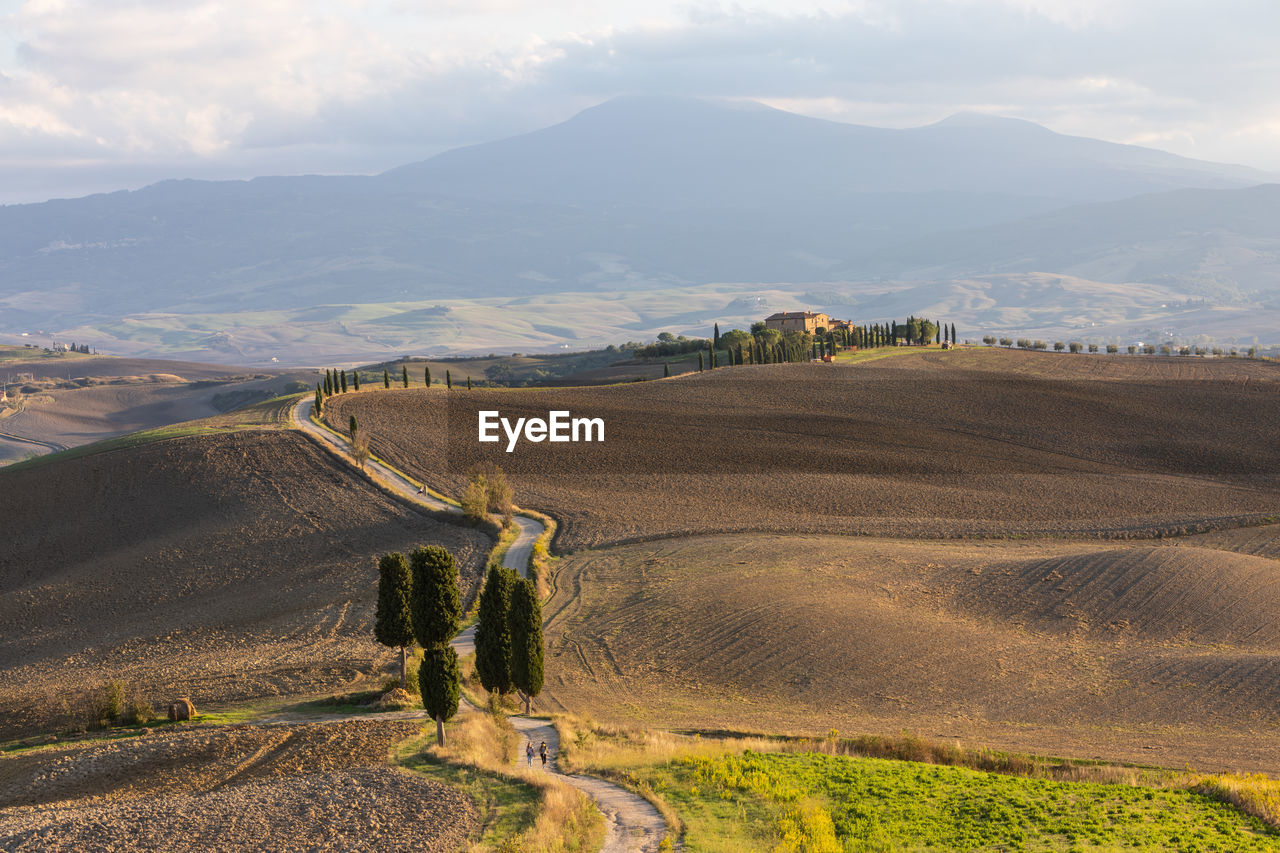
(223, 567)
(1144, 653)
(966, 443)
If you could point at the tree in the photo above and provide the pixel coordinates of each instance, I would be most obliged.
(435, 603)
(354, 427)
(393, 625)
(386, 378)
(355, 380)
(448, 380)
(328, 386)
(493, 634)
(1075, 346)
(715, 337)
(526, 640)
(468, 383)
(319, 404)
(438, 682)
(666, 370)
(700, 364)
(360, 449)
(436, 610)
(404, 374)
(427, 376)
(343, 381)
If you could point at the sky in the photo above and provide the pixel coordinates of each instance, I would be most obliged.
(98, 95)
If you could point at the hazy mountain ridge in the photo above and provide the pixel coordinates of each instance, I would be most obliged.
(637, 194)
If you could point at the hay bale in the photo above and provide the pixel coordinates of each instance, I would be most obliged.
(183, 709)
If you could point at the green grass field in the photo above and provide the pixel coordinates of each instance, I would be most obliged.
(817, 802)
(9, 353)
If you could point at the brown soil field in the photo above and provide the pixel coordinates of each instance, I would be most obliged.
(296, 787)
(1123, 651)
(225, 567)
(913, 446)
(1093, 366)
(76, 401)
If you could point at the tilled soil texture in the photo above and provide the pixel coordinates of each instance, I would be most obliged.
(298, 787)
(224, 567)
(1122, 651)
(951, 444)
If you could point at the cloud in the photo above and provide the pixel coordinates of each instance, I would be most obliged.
(232, 87)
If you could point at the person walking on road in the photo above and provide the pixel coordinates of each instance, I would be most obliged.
(528, 752)
(543, 752)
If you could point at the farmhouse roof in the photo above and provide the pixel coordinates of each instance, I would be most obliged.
(791, 315)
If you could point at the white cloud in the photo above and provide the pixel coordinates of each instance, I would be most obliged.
(233, 87)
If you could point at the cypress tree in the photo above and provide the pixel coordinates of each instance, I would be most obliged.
(426, 375)
(435, 603)
(937, 335)
(666, 370)
(328, 392)
(526, 640)
(393, 625)
(319, 405)
(468, 383)
(404, 374)
(354, 427)
(700, 361)
(493, 634)
(436, 609)
(438, 681)
(715, 340)
(343, 381)
(386, 378)
(953, 334)
(355, 380)
(448, 380)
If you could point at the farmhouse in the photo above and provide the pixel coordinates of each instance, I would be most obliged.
(803, 321)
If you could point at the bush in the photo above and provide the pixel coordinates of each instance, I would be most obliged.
(108, 704)
(475, 501)
(137, 712)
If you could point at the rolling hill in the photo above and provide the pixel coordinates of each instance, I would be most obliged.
(224, 567)
(1143, 653)
(964, 443)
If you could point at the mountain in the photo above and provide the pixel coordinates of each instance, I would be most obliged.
(1227, 241)
(631, 195)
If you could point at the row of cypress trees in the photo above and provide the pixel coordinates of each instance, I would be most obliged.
(509, 653)
(335, 382)
(418, 599)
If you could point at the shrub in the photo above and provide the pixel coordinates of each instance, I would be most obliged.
(475, 501)
(109, 703)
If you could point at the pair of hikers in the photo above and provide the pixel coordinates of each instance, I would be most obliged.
(528, 752)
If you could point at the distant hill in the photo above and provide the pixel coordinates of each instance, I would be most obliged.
(633, 195)
(1191, 236)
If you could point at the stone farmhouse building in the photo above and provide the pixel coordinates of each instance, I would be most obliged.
(803, 321)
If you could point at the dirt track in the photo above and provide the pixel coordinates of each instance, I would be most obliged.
(314, 786)
(633, 825)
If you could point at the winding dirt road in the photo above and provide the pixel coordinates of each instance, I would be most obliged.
(633, 825)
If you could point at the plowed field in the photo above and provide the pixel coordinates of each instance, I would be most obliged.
(953, 444)
(1150, 653)
(224, 567)
(304, 787)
